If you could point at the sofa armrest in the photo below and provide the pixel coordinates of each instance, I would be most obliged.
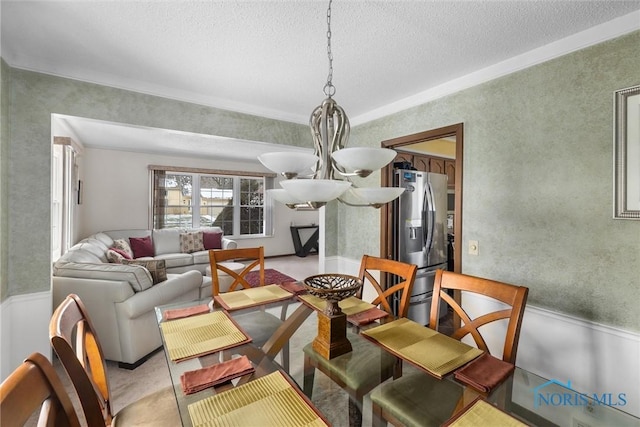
(229, 243)
(160, 294)
(102, 291)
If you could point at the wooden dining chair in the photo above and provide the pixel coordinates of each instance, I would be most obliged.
(259, 324)
(252, 257)
(397, 401)
(76, 344)
(35, 386)
(358, 372)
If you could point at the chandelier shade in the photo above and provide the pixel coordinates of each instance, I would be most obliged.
(362, 161)
(289, 164)
(283, 196)
(316, 192)
(376, 197)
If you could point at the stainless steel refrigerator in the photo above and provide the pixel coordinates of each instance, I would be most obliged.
(420, 233)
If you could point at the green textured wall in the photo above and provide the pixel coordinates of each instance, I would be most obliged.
(538, 169)
(34, 97)
(4, 171)
(537, 174)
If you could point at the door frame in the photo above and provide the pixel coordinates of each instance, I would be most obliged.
(456, 130)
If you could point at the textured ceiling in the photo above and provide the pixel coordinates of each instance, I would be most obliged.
(270, 57)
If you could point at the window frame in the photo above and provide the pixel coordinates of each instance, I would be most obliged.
(236, 176)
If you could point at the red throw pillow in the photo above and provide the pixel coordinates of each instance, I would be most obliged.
(141, 246)
(124, 254)
(212, 239)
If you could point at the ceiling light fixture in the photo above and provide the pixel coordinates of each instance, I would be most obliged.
(315, 179)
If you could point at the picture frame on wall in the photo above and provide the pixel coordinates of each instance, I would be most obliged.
(626, 154)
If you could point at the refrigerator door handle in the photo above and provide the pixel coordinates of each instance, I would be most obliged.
(428, 217)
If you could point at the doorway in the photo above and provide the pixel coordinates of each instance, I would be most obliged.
(454, 132)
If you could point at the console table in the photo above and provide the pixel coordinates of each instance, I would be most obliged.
(302, 250)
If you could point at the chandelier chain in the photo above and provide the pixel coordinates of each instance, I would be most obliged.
(329, 89)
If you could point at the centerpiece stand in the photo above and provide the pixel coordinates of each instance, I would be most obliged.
(331, 340)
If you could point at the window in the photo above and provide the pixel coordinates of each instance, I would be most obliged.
(64, 194)
(235, 203)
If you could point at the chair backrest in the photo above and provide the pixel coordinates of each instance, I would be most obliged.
(254, 256)
(513, 297)
(406, 273)
(74, 340)
(33, 386)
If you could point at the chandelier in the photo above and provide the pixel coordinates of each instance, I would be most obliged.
(312, 180)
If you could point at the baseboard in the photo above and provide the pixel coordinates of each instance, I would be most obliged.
(287, 255)
(134, 365)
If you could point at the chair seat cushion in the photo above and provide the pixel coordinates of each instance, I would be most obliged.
(157, 409)
(418, 399)
(260, 325)
(359, 369)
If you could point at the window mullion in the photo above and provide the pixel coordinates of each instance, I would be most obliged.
(236, 206)
(195, 201)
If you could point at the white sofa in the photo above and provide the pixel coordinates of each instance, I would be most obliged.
(121, 298)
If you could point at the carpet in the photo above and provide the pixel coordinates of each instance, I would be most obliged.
(271, 277)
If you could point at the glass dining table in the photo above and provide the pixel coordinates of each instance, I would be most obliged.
(527, 397)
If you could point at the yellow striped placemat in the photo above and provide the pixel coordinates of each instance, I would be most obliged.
(426, 348)
(203, 334)
(351, 305)
(267, 401)
(252, 297)
(482, 413)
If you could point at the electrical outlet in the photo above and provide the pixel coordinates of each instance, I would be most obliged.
(591, 409)
(473, 247)
(577, 423)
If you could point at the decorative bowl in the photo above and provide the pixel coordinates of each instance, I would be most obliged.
(333, 288)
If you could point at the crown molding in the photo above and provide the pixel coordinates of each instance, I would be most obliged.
(592, 36)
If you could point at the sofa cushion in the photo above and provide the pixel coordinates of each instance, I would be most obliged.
(141, 246)
(123, 245)
(156, 268)
(201, 257)
(176, 259)
(95, 242)
(104, 238)
(79, 255)
(191, 242)
(95, 249)
(138, 277)
(166, 241)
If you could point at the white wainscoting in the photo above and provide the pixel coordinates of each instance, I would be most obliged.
(24, 329)
(596, 358)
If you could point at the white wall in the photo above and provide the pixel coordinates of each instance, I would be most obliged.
(116, 195)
